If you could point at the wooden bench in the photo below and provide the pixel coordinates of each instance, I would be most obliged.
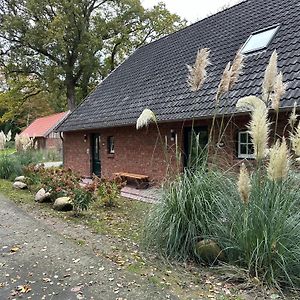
(141, 181)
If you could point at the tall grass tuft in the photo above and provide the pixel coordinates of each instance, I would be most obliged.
(186, 212)
(9, 167)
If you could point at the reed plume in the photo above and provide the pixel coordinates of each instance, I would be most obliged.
(279, 162)
(197, 72)
(244, 185)
(270, 77)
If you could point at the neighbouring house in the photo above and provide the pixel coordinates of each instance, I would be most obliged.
(100, 135)
(42, 131)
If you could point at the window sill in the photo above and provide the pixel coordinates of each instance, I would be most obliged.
(248, 158)
(110, 155)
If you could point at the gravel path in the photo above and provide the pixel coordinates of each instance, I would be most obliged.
(39, 262)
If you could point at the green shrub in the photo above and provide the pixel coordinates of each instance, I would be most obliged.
(58, 181)
(109, 192)
(9, 167)
(82, 199)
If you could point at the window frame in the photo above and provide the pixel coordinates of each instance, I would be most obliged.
(247, 143)
(111, 144)
(276, 27)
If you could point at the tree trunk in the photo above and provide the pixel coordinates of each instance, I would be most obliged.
(71, 94)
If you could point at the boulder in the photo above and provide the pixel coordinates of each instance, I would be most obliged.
(209, 251)
(20, 178)
(42, 196)
(63, 204)
(20, 185)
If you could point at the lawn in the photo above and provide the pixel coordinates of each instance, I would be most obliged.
(123, 225)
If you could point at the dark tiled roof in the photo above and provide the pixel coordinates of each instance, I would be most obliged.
(155, 75)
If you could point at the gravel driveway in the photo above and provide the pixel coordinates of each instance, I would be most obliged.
(37, 262)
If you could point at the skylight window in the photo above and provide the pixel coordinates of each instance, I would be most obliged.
(259, 40)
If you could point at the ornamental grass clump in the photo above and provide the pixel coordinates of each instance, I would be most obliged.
(263, 236)
(186, 213)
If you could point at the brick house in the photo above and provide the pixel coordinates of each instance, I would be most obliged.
(100, 135)
(42, 130)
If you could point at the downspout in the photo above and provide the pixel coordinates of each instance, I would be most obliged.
(63, 152)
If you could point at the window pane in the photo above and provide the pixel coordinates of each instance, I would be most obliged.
(259, 40)
(243, 137)
(250, 149)
(243, 149)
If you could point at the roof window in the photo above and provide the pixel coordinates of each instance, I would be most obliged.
(259, 39)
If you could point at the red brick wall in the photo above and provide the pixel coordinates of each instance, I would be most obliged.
(54, 144)
(76, 151)
(136, 151)
(141, 151)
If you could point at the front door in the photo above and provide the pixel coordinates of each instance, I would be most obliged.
(195, 142)
(96, 162)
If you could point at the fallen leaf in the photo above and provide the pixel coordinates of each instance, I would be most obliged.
(24, 288)
(14, 249)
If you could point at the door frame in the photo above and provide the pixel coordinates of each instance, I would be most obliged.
(92, 145)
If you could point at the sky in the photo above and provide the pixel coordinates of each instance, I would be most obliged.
(191, 10)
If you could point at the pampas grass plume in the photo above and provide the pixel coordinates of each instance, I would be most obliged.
(236, 69)
(244, 185)
(146, 117)
(270, 77)
(259, 125)
(279, 163)
(197, 72)
(293, 117)
(295, 140)
(279, 91)
(223, 87)
(251, 103)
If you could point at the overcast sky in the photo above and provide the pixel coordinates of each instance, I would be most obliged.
(191, 10)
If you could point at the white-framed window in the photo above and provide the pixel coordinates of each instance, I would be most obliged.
(245, 146)
(111, 145)
(259, 39)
